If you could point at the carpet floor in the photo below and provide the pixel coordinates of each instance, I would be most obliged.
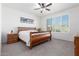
(55, 47)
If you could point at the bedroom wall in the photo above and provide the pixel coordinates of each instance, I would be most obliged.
(74, 23)
(0, 28)
(11, 20)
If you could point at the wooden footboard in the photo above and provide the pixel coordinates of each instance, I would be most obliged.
(37, 39)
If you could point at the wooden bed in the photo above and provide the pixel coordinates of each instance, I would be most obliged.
(36, 39)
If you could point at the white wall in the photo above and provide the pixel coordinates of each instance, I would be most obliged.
(0, 28)
(74, 23)
(11, 20)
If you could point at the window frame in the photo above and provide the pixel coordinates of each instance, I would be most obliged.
(61, 24)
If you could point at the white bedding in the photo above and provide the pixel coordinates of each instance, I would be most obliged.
(25, 36)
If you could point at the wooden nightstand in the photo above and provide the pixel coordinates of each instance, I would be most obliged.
(76, 42)
(12, 38)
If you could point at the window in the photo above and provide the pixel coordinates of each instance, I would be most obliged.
(58, 24)
(49, 24)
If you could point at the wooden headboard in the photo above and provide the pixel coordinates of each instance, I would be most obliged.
(25, 28)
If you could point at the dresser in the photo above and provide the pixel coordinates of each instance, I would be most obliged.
(76, 43)
(12, 38)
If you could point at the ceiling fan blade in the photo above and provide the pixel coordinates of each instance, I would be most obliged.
(43, 5)
(49, 4)
(37, 8)
(48, 9)
(39, 4)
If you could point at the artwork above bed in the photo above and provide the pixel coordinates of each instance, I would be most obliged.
(26, 20)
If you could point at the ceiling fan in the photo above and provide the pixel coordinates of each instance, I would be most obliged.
(43, 6)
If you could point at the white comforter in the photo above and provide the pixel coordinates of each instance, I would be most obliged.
(25, 36)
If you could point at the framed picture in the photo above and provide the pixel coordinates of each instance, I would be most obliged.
(26, 20)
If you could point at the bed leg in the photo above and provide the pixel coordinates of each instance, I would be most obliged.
(30, 47)
(50, 38)
(50, 35)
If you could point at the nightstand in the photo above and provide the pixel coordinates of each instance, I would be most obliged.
(12, 38)
(76, 42)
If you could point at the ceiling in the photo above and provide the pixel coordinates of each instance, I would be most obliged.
(29, 7)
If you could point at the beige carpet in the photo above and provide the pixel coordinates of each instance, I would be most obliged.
(54, 47)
